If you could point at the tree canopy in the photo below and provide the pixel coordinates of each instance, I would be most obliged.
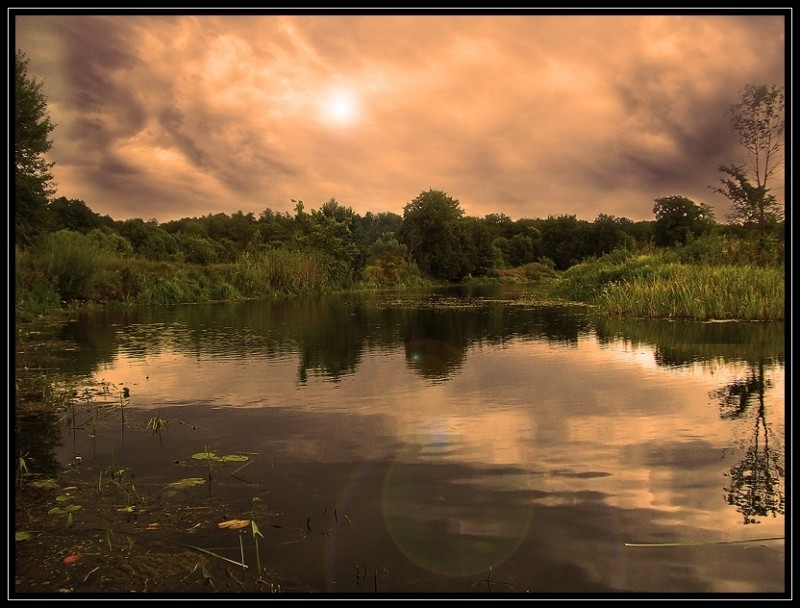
(679, 219)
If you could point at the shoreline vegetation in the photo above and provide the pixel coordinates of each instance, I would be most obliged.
(709, 279)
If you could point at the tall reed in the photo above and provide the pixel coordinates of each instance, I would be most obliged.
(746, 293)
(654, 286)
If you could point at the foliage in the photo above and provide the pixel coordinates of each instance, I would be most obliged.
(719, 249)
(566, 240)
(386, 263)
(432, 232)
(747, 293)
(148, 239)
(482, 258)
(752, 204)
(655, 285)
(71, 262)
(375, 226)
(33, 182)
(277, 271)
(74, 214)
(533, 272)
(609, 234)
(198, 250)
(327, 233)
(679, 219)
(111, 241)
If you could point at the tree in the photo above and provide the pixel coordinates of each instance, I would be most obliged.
(752, 204)
(609, 234)
(328, 232)
(679, 219)
(565, 240)
(33, 182)
(432, 232)
(759, 123)
(74, 214)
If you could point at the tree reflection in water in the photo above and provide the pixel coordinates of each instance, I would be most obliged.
(756, 487)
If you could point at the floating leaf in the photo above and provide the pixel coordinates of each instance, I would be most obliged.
(234, 524)
(233, 458)
(65, 511)
(23, 535)
(44, 484)
(187, 483)
(205, 456)
(128, 509)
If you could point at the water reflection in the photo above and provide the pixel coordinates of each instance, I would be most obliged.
(756, 487)
(464, 433)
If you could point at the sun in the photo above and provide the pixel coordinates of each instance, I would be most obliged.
(340, 107)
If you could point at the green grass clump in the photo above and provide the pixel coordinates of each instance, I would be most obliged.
(653, 286)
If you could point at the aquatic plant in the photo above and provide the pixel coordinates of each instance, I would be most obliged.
(66, 510)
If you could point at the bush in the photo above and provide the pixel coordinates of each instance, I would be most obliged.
(72, 262)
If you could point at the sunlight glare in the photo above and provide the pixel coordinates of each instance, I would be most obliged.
(340, 107)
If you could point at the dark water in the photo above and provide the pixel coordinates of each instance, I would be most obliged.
(461, 441)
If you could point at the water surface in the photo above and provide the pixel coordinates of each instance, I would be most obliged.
(460, 441)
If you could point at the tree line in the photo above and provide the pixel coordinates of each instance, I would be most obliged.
(433, 237)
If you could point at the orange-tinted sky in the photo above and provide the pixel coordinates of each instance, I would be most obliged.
(181, 115)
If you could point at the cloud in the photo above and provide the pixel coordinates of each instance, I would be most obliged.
(172, 116)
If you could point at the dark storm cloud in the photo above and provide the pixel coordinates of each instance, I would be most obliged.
(173, 115)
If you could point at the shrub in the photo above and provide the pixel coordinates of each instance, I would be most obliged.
(71, 261)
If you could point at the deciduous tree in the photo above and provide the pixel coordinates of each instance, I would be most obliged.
(432, 231)
(759, 123)
(678, 219)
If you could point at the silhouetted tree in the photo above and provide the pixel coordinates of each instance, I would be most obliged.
(758, 120)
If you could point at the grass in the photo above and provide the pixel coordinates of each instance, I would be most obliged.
(650, 286)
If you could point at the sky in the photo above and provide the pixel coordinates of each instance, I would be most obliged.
(167, 116)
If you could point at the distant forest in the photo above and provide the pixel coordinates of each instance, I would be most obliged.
(433, 232)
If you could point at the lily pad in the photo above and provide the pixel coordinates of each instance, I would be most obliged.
(188, 482)
(215, 458)
(44, 484)
(65, 511)
(233, 458)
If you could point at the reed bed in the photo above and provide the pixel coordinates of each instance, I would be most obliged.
(278, 271)
(681, 291)
(655, 286)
